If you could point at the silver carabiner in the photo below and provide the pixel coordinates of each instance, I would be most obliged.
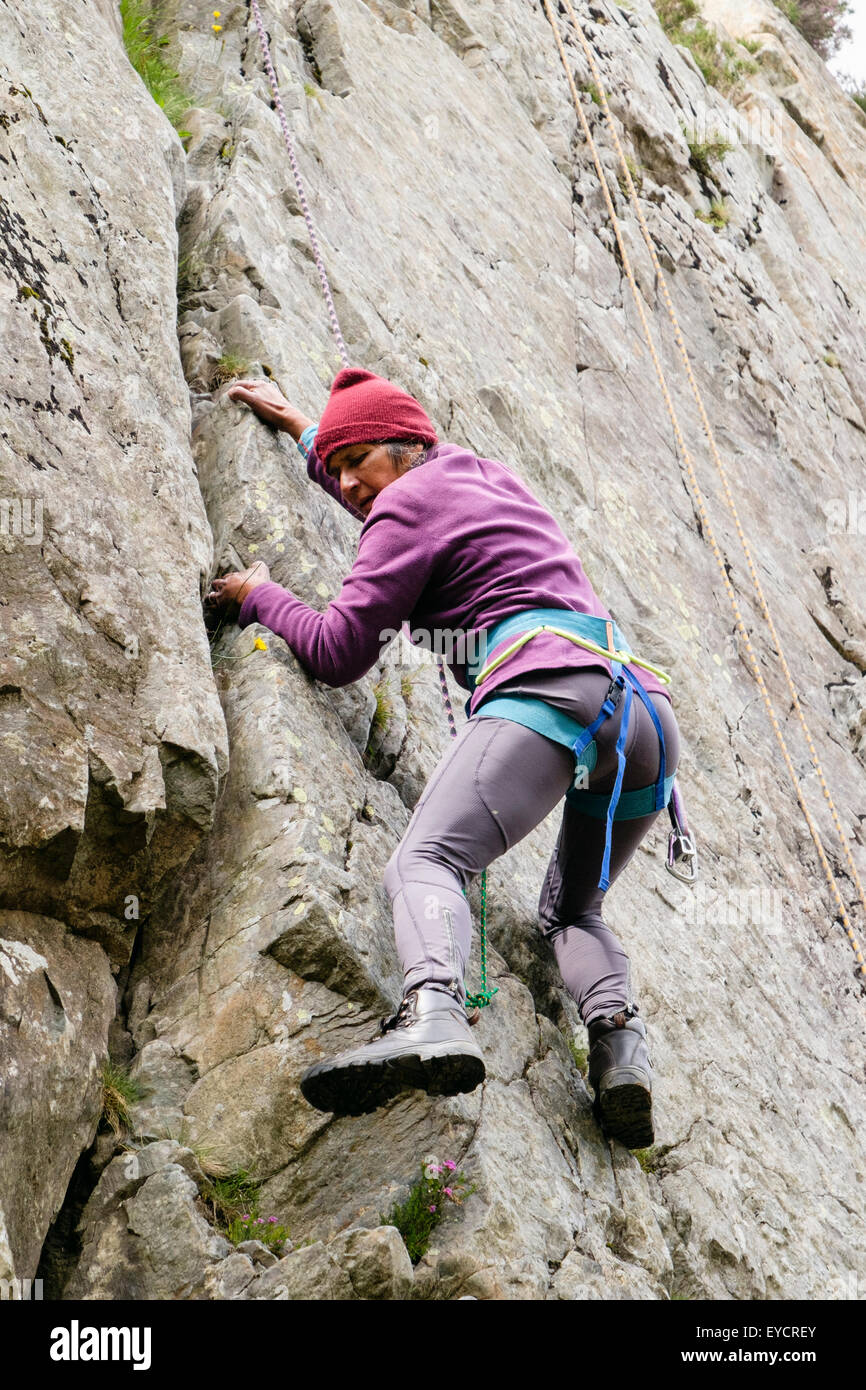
(681, 846)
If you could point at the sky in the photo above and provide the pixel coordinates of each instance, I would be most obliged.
(852, 58)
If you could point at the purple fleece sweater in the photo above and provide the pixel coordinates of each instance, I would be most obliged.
(457, 543)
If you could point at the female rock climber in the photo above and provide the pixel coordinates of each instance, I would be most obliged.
(458, 543)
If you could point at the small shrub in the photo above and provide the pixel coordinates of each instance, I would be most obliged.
(232, 1202)
(417, 1218)
(704, 153)
(821, 22)
(144, 52)
(119, 1092)
(228, 367)
(751, 45)
(716, 58)
(592, 91)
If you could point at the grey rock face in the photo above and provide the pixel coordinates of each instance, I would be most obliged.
(57, 999)
(112, 733)
(472, 260)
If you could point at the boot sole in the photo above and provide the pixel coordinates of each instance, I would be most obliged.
(358, 1088)
(624, 1111)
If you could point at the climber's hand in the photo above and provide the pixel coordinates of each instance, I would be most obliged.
(227, 594)
(265, 399)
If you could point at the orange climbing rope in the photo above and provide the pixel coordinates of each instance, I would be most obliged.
(697, 496)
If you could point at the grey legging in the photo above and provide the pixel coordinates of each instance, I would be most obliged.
(497, 781)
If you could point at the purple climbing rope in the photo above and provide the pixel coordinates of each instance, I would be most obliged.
(284, 125)
(484, 996)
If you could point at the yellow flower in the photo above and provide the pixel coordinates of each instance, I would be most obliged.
(217, 28)
(262, 646)
(216, 14)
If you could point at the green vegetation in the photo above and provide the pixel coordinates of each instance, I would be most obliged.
(718, 216)
(417, 1218)
(592, 91)
(704, 153)
(717, 59)
(860, 99)
(119, 1092)
(832, 360)
(381, 716)
(636, 177)
(650, 1159)
(144, 52)
(821, 22)
(407, 685)
(232, 1202)
(228, 368)
(751, 45)
(579, 1056)
(645, 1158)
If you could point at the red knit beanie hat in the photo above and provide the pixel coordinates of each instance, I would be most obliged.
(363, 407)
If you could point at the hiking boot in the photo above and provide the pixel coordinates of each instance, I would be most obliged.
(427, 1044)
(620, 1073)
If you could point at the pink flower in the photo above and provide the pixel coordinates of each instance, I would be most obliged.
(449, 1165)
(432, 1208)
(449, 1191)
(272, 1221)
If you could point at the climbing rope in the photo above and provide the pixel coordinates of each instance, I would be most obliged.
(484, 995)
(697, 496)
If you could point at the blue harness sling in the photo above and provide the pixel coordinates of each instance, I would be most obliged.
(602, 636)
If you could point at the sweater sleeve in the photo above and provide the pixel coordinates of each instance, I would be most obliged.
(316, 470)
(396, 559)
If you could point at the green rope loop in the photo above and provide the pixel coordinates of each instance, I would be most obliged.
(484, 995)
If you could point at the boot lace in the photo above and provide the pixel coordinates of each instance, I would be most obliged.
(401, 1019)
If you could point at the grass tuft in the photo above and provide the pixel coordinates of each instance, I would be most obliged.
(119, 1092)
(232, 1201)
(718, 216)
(228, 368)
(144, 50)
(704, 153)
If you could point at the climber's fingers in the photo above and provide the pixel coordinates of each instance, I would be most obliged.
(232, 589)
(263, 397)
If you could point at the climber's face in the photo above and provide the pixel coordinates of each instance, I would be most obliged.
(363, 471)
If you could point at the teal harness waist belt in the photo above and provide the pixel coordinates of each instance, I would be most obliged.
(593, 633)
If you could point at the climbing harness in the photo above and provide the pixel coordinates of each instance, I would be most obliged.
(602, 637)
(696, 493)
(485, 994)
